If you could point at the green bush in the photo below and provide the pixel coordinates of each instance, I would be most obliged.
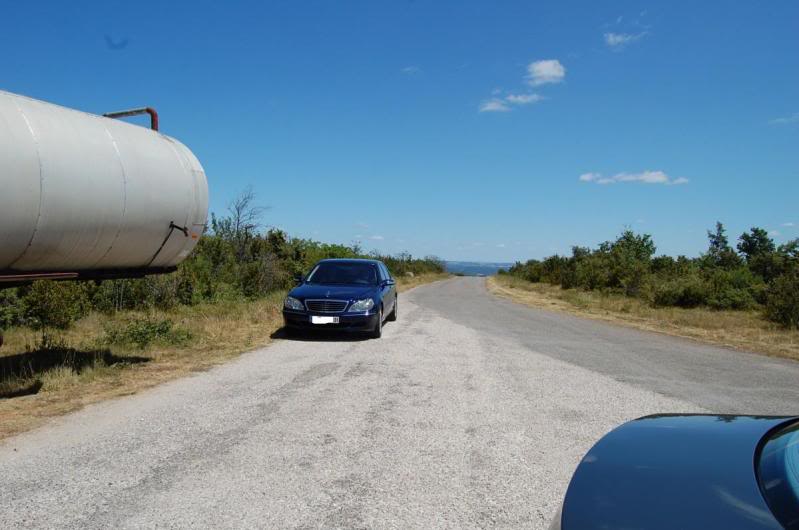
(144, 331)
(782, 300)
(689, 291)
(731, 288)
(48, 304)
(721, 278)
(10, 310)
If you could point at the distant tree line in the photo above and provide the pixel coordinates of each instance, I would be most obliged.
(234, 260)
(757, 274)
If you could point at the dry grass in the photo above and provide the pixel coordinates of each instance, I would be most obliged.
(741, 330)
(98, 369)
(409, 282)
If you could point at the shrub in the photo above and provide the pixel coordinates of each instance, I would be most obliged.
(591, 273)
(782, 300)
(10, 311)
(142, 332)
(689, 291)
(48, 304)
(731, 288)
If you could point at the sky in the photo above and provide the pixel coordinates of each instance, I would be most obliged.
(470, 130)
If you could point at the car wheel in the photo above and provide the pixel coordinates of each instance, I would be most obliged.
(393, 316)
(378, 331)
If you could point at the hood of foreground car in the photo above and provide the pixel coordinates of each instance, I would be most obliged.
(333, 292)
(673, 471)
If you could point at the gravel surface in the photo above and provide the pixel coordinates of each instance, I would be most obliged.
(460, 416)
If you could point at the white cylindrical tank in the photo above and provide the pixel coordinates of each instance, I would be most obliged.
(81, 192)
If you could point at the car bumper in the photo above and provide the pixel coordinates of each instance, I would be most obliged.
(347, 322)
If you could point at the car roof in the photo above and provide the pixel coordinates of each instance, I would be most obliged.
(350, 260)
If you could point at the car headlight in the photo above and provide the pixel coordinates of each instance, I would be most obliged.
(292, 303)
(363, 305)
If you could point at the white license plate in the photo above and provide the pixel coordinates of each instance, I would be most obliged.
(323, 320)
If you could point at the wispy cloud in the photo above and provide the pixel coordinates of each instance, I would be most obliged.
(788, 225)
(794, 118)
(411, 70)
(774, 233)
(545, 72)
(376, 238)
(523, 99)
(503, 104)
(494, 105)
(644, 177)
(619, 41)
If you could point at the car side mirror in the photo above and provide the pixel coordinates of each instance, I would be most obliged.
(390, 281)
(299, 278)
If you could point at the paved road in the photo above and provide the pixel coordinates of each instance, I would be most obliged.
(470, 412)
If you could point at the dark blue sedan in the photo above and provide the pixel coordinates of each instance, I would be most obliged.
(343, 294)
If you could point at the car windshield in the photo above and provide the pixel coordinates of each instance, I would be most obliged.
(778, 473)
(331, 273)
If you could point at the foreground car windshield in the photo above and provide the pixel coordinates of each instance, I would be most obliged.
(344, 274)
(778, 473)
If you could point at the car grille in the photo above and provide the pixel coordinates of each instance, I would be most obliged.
(326, 306)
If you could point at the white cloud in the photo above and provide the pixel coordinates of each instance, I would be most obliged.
(794, 118)
(545, 72)
(411, 70)
(377, 238)
(774, 233)
(645, 177)
(788, 225)
(538, 73)
(494, 105)
(523, 99)
(501, 245)
(590, 177)
(617, 41)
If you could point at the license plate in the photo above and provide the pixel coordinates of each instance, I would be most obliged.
(323, 320)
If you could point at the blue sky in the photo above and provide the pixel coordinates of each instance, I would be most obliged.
(472, 130)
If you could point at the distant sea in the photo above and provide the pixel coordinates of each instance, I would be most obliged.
(475, 268)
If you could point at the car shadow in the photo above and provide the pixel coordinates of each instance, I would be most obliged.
(319, 335)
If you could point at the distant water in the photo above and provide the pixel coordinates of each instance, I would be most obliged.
(475, 268)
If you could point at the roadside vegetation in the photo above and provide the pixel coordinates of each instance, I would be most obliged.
(68, 344)
(746, 297)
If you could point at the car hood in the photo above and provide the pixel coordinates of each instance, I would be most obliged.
(673, 471)
(334, 292)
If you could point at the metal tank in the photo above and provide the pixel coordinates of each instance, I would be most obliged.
(87, 196)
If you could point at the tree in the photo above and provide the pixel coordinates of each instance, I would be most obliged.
(755, 243)
(719, 252)
(242, 224)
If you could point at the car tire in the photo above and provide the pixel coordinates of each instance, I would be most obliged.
(392, 317)
(378, 331)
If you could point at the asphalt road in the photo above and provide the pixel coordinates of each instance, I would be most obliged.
(470, 412)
